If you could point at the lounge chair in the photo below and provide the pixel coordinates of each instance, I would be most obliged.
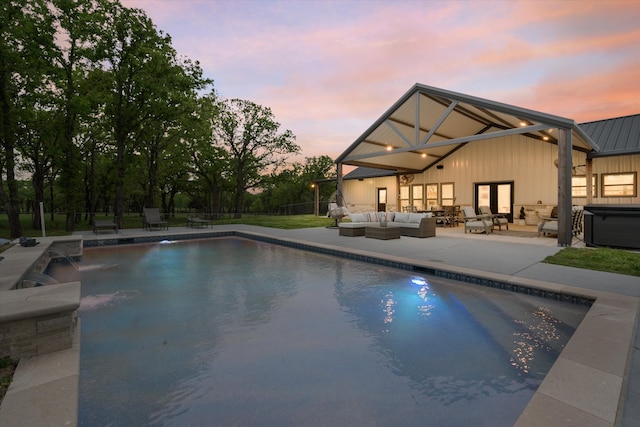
(152, 219)
(104, 224)
(498, 219)
(195, 221)
(549, 225)
(473, 222)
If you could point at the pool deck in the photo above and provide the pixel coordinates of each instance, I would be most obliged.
(594, 382)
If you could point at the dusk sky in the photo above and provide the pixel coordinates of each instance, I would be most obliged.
(329, 69)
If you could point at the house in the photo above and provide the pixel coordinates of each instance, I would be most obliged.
(435, 147)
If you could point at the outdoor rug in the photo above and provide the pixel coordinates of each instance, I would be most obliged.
(515, 233)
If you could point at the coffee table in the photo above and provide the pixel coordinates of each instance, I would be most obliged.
(382, 233)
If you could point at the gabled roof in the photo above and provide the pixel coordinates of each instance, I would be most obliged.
(427, 124)
(617, 136)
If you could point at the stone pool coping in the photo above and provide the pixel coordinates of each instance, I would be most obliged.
(585, 386)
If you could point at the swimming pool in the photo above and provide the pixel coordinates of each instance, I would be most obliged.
(235, 332)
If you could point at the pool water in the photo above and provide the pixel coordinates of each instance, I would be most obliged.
(231, 331)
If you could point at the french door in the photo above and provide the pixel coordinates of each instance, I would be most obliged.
(497, 195)
(382, 199)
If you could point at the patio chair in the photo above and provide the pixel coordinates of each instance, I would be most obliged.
(152, 219)
(498, 219)
(549, 225)
(337, 212)
(194, 221)
(473, 222)
(451, 216)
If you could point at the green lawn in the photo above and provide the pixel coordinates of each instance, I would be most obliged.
(7, 368)
(56, 226)
(601, 259)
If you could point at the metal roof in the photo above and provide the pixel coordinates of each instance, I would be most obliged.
(427, 124)
(617, 136)
(364, 172)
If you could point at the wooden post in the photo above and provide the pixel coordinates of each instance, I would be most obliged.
(564, 187)
(339, 198)
(316, 198)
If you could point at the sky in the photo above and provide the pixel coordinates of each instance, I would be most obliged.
(329, 69)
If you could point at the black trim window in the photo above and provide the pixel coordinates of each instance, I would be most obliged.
(404, 197)
(417, 196)
(620, 184)
(432, 196)
(447, 191)
(579, 186)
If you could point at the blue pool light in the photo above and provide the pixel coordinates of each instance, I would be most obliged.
(419, 281)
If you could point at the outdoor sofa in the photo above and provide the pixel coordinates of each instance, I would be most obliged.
(411, 224)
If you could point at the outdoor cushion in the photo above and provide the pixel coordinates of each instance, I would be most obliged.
(371, 216)
(351, 225)
(386, 216)
(357, 217)
(401, 217)
(415, 218)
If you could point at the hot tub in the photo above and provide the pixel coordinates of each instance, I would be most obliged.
(612, 225)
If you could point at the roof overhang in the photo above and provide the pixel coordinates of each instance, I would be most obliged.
(427, 124)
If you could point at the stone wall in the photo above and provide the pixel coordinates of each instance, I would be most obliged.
(40, 320)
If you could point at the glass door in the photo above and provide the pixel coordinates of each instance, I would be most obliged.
(382, 199)
(498, 196)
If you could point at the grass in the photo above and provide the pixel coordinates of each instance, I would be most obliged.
(288, 222)
(7, 368)
(55, 226)
(599, 259)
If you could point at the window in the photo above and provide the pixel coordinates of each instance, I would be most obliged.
(619, 184)
(417, 197)
(404, 197)
(448, 195)
(432, 196)
(579, 186)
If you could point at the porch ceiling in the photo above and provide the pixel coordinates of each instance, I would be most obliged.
(427, 124)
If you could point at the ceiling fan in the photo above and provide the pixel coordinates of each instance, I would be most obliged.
(406, 179)
(575, 169)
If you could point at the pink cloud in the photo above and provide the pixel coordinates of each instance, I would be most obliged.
(329, 69)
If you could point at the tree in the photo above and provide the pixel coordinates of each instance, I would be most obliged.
(149, 91)
(37, 141)
(79, 27)
(250, 134)
(171, 106)
(293, 185)
(210, 162)
(26, 35)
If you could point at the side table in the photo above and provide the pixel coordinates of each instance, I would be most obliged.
(382, 233)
